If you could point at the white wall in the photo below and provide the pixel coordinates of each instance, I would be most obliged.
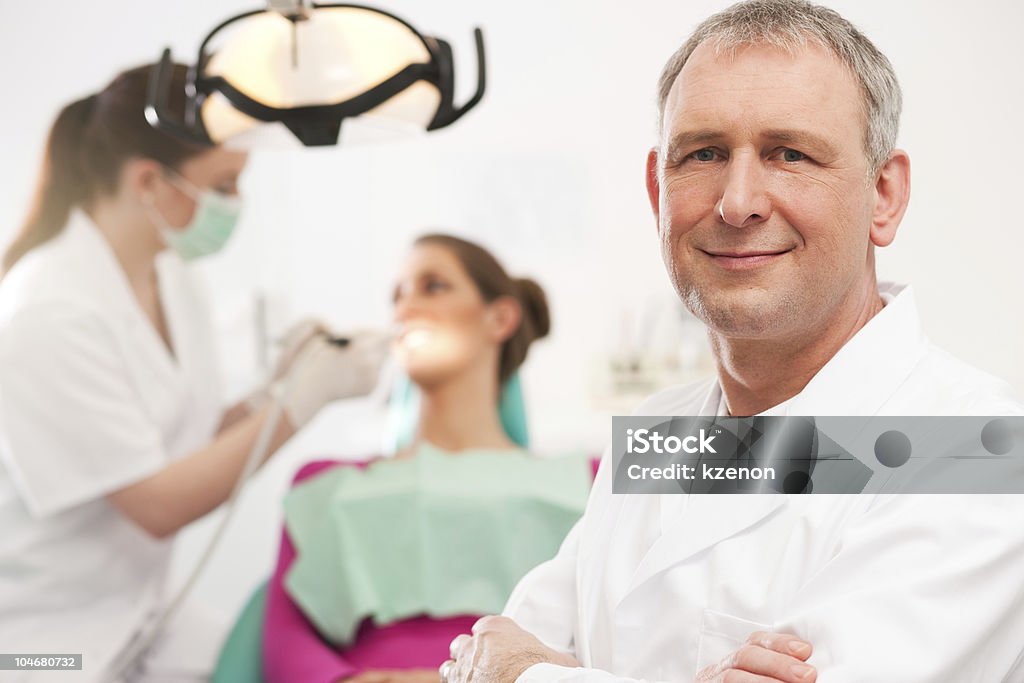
(549, 172)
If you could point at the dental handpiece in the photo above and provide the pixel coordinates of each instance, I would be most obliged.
(342, 341)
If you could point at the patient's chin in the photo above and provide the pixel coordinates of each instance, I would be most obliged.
(428, 375)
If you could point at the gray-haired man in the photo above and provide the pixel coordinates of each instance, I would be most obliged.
(775, 178)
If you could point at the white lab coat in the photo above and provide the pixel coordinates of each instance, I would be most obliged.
(91, 400)
(907, 589)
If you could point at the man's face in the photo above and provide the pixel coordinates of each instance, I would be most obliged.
(762, 196)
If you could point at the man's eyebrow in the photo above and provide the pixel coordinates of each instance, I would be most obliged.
(801, 137)
(690, 138)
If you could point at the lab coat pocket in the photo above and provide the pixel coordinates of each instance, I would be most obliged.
(721, 635)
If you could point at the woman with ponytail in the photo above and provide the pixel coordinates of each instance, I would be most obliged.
(112, 431)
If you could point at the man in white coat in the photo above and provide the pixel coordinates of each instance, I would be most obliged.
(774, 180)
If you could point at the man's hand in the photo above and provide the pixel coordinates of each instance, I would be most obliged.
(497, 652)
(765, 658)
(394, 676)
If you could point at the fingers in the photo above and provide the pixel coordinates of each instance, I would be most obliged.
(783, 643)
(737, 676)
(370, 347)
(373, 345)
(294, 341)
(450, 671)
(445, 670)
(490, 623)
(365, 351)
(375, 336)
(765, 657)
(463, 652)
(721, 674)
(781, 667)
(300, 332)
(457, 644)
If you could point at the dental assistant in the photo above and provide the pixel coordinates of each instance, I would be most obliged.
(112, 431)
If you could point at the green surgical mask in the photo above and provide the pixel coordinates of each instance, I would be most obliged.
(211, 226)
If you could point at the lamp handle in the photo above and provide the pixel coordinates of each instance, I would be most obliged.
(291, 9)
(451, 116)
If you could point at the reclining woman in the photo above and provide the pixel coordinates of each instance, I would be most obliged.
(383, 563)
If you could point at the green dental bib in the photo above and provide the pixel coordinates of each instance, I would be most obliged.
(434, 534)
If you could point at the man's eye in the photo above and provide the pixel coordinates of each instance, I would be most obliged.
(706, 154)
(793, 155)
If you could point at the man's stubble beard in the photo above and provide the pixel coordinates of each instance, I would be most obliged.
(767, 315)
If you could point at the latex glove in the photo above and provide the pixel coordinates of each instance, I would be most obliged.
(294, 340)
(292, 343)
(324, 372)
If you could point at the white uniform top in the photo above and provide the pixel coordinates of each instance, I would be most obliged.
(908, 588)
(91, 400)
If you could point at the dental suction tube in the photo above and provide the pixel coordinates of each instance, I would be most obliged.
(131, 654)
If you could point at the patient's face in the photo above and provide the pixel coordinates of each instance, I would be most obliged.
(441, 318)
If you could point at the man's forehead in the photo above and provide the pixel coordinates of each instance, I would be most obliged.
(764, 86)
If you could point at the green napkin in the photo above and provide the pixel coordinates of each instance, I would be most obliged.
(438, 534)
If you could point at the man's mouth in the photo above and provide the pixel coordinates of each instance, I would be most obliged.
(744, 259)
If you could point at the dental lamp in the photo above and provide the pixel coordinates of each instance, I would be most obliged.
(302, 68)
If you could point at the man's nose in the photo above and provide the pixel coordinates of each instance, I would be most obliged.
(744, 199)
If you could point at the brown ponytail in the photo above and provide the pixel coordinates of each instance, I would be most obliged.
(493, 282)
(87, 145)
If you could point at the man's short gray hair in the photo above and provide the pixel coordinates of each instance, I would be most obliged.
(789, 24)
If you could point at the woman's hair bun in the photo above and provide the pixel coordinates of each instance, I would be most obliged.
(536, 314)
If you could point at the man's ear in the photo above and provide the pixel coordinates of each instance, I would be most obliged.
(504, 315)
(892, 194)
(653, 187)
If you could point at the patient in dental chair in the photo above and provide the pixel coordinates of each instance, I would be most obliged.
(383, 562)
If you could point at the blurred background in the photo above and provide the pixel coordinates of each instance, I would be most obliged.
(548, 173)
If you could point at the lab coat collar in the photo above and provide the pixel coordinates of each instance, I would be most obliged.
(113, 292)
(858, 380)
(865, 372)
(868, 369)
(91, 251)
